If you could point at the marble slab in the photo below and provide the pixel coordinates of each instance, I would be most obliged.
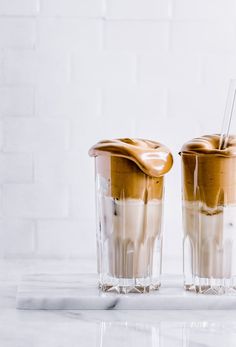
(79, 292)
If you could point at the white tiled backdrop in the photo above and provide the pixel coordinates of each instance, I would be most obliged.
(76, 71)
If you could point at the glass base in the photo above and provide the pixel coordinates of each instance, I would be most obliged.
(128, 285)
(211, 286)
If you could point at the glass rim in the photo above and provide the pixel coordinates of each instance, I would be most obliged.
(207, 155)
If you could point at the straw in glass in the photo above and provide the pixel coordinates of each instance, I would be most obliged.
(229, 111)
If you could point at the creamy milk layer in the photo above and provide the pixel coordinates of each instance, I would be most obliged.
(209, 239)
(132, 230)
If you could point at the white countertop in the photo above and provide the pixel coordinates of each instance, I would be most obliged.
(23, 328)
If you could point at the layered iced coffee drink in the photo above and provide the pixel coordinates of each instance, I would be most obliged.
(129, 189)
(209, 214)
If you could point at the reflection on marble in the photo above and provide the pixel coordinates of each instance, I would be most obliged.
(80, 292)
(94, 328)
(162, 332)
(129, 334)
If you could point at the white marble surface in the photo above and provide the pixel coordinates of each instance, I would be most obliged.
(80, 292)
(55, 328)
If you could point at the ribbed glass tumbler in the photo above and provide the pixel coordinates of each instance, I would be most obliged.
(209, 222)
(129, 226)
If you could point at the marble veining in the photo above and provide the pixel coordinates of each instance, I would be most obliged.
(96, 328)
(79, 292)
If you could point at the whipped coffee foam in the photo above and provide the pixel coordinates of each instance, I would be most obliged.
(153, 158)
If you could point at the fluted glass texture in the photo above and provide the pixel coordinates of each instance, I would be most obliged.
(129, 226)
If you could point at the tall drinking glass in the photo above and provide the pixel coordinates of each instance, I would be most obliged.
(129, 193)
(209, 215)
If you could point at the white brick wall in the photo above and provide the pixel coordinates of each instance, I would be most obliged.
(104, 69)
(17, 32)
(16, 101)
(1, 135)
(168, 69)
(19, 67)
(76, 71)
(34, 135)
(17, 237)
(137, 35)
(203, 9)
(19, 8)
(61, 237)
(16, 167)
(134, 103)
(67, 101)
(35, 200)
(139, 9)
(36, 67)
(78, 8)
(205, 36)
(69, 34)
